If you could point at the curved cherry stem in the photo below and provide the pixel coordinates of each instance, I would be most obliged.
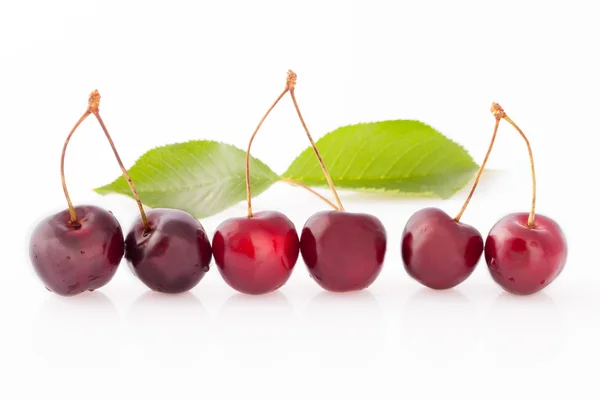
(95, 109)
(498, 113)
(291, 86)
(531, 219)
(74, 223)
(303, 186)
(248, 192)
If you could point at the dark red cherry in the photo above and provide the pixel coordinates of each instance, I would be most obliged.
(72, 258)
(343, 251)
(522, 259)
(437, 251)
(256, 255)
(174, 256)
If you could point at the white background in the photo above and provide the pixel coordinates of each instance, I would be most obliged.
(174, 71)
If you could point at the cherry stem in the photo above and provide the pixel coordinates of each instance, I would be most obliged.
(530, 220)
(498, 113)
(248, 192)
(73, 215)
(296, 183)
(291, 87)
(95, 109)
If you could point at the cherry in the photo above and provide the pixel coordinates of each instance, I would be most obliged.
(256, 255)
(343, 251)
(523, 259)
(171, 253)
(440, 252)
(79, 248)
(72, 258)
(525, 252)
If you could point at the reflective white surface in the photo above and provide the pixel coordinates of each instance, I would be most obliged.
(395, 337)
(174, 71)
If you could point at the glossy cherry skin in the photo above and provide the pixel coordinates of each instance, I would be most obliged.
(174, 256)
(343, 251)
(437, 251)
(70, 260)
(256, 255)
(525, 260)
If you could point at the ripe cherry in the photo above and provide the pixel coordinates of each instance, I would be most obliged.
(167, 249)
(524, 259)
(257, 254)
(441, 252)
(170, 252)
(438, 251)
(79, 248)
(343, 251)
(71, 258)
(525, 252)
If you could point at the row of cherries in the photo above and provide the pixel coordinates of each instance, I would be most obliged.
(80, 248)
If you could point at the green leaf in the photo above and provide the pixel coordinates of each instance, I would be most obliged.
(402, 156)
(201, 177)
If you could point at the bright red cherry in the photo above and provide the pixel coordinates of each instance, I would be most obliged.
(522, 259)
(343, 251)
(256, 255)
(439, 252)
(525, 252)
(172, 254)
(72, 258)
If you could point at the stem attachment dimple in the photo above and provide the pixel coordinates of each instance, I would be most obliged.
(531, 219)
(291, 87)
(498, 113)
(94, 108)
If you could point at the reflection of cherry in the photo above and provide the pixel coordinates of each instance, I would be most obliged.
(525, 252)
(79, 248)
(433, 319)
(524, 338)
(336, 322)
(181, 319)
(257, 331)
(88, 321)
